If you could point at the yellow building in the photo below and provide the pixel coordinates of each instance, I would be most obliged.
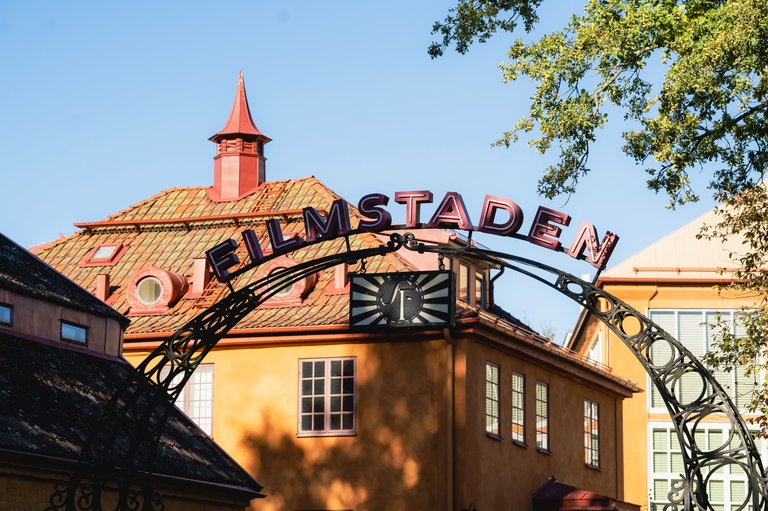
(673, 282)
(480, 415)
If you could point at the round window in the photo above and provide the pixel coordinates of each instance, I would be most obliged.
(285, 291)
(149, 290)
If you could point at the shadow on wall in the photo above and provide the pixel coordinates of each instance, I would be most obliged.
(397, 459)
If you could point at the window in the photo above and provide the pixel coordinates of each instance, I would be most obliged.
(104, 255)
(327, 396)
(592, 433)
(596, 351)
(285, 290)
(695, 330)
(149, 290)
(480, 293)
(492, 399)
(196, 398)
(74, 333)
(542, 416)
(464, 281)
(6, 314)
(726, 485)
(518, 408)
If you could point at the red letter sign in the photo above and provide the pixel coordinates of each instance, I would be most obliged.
(543, 233)
(380, 217)
(452, 212)
(493, 204)
(412, 201)
(586, 238)
(337, 223)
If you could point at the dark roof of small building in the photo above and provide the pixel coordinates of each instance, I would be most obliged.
(555, 496)
(50, 397)
(24, 273)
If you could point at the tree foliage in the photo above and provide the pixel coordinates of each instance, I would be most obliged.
(704, 119)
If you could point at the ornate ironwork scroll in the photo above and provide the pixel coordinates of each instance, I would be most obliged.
(668, 363)
(119, 453)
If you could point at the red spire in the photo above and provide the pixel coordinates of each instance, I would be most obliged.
(240, 123)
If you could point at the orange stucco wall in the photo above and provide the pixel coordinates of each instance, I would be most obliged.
(400, 457)
(615, 354)
(397, 458)
(43, 319)
(496, 473)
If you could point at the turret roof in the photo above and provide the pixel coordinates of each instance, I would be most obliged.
(240, 121)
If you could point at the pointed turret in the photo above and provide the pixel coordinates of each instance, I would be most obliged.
(239, 165)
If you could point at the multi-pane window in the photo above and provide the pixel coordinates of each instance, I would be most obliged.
(491, 399)
(542, 416)
(196, 398)
(726, 485)
(592, 433)
(327, 396)
(480, 291)
(464, 281)
(6, 314)
(696, 330)
(74, 333)
(518, 408)
(596, 351)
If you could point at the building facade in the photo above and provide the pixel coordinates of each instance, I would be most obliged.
(479, 414)
(676, 283)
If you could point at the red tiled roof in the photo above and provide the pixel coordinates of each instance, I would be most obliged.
(172, 246)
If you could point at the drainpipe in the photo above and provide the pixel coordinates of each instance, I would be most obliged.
(450, 385)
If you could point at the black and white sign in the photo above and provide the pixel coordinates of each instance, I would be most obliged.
(401, 300)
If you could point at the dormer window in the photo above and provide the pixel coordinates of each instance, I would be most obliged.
(104, 255)
(464, 282)
(153, 291)
(149, 290)
(480, 290)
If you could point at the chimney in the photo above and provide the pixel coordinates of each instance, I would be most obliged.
(239, 166)
(102, 287)
(200, 277)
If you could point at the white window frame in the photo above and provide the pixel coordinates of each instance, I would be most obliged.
(327, 397)
(489, 398)
(671, 475)
(543, 433)
(592, 433)
(731, 385)
(185, 401)
(520, 440)
(596, 348)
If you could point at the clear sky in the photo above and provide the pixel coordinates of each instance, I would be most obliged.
(104, 104)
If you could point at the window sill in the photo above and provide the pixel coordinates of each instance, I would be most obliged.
(544, 451)
(313, 434)
(493, 436)
(593, 467)
(520, 444)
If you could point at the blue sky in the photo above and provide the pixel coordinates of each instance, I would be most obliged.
(106, 103)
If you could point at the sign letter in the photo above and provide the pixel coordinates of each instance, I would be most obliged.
(543, 233)
(491, 206)
(381, 219)
(280, 245)
(412, 201)
(337, 223)
(586, 239)
(222, 257)
(252, 246)
(452, 212)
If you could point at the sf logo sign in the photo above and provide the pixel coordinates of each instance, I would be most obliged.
(401, 300)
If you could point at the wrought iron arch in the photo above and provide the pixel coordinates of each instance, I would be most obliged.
(120, 449)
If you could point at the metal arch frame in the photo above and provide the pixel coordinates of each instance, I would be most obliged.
(122, 444)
